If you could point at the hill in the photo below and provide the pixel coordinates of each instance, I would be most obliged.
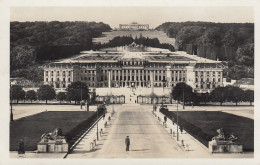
(32, 43)
(231, 42)
(160, 35)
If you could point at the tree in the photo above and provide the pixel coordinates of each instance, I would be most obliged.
(17, 93)
(180, 89)
(249, 96)
(77, 91)
(218, 95)
(22, 56)
(31, 95)
(46, 92)
(61, 96)
(245, 54)
(234, 94)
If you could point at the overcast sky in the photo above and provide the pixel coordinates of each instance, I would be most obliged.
(146, 15)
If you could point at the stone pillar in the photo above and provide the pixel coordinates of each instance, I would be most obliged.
(109, 81)
(190, 76)
(168, 74)
(152, 81)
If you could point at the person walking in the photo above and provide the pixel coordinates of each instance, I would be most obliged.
(127, 143)
(21, 150)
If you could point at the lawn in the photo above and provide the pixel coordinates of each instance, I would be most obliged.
(31, 128)
(209, 122)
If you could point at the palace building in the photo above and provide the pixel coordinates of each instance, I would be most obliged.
(134, 26)
(139, 69)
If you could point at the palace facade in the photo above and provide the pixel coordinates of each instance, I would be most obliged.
(161, 69)
(134, 26)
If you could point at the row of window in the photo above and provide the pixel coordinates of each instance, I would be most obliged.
(57, 73)
(63, 80)
(208, 73)
(207, 80)
(88, 78)
(87, 71)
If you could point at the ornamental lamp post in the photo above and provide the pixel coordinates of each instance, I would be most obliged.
(177, 122)
(11, 104)
(97, 123)
(80, 95)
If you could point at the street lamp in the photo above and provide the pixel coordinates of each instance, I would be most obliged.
(80, 95)
(97, 123)
(177, 122)
(11, 104)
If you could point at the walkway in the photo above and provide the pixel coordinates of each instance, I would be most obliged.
(148, 138)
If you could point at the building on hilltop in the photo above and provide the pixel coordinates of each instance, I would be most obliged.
(136, 69)
(134, 26)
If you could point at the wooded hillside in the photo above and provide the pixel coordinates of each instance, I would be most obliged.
(34, 42)
(232, 42)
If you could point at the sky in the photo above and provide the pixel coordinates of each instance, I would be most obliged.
(154, 16)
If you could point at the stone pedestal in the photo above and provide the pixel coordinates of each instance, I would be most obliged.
(225, 147)
(58, 145)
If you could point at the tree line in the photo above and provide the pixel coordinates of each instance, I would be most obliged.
(126, 40)
(76, 91)
(182, 91)
(31, 43)
(232, 42)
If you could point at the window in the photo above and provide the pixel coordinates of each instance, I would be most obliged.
(46, 79)
(51, 79)
(63, 73)
(159, 78)
(196, 79)
(218, 79)
(46, 73)
(132, 78)
(58, 79)
(58, 73)
(196, 73)
(201, 79)
(172, 79)
(63, 79)
(68, 79)
(51, 73)
(69, 73)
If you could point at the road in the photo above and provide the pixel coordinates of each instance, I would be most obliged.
(148, 138)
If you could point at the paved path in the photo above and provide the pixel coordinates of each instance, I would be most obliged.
(148, 138)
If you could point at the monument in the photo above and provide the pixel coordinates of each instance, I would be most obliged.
(53, 142)
(225, 143)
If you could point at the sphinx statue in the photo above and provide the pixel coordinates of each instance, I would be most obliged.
(52, 135)
(224, 136)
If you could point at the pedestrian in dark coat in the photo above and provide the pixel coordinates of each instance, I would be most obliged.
(21, 149)
(127, 143)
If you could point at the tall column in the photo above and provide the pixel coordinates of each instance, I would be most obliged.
(168, 74)
(152, 80)
(190, 76)
(109, 81)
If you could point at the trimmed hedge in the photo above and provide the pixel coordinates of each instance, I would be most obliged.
(192, 129)
(202, 125)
